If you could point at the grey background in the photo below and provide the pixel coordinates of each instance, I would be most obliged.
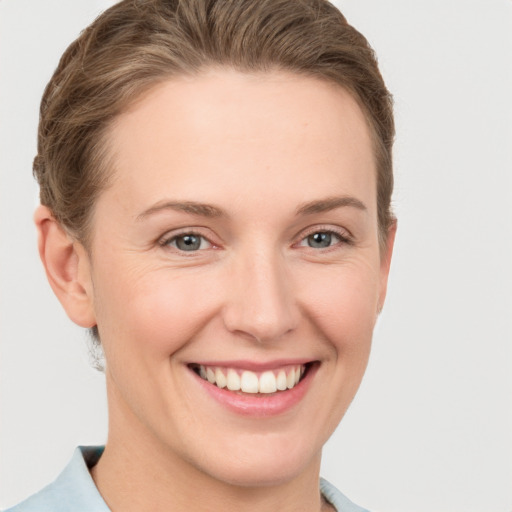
(431, 428)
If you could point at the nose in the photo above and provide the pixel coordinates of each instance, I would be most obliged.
(261, 304)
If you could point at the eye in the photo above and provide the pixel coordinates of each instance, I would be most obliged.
(323, 239)
(320, 240)
(188, 242)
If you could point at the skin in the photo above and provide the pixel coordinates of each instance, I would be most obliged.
(261, 149)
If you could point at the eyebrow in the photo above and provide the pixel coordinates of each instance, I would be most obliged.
(192, 207)
(210, 211)
(330, 203)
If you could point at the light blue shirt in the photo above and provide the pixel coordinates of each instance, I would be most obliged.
(74, 489)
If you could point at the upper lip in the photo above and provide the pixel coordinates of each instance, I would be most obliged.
(255, 366)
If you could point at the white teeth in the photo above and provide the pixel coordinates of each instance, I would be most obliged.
(233, 380)
(290, 379)
(220, 378)
(210, 375)
(268, 383)
(281, 380)
(250, 382)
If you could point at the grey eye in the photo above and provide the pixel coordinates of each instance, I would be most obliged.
(320, 240)
(188, 242)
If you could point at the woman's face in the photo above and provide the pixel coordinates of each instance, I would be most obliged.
(237, 246)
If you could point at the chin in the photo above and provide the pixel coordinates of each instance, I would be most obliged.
(263, 461)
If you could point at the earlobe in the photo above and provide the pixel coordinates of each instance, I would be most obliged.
(385, 263)
(67, 267)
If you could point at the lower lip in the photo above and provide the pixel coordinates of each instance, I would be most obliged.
(260, 404)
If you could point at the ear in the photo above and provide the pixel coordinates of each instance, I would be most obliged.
(385, 263)
(67, 267)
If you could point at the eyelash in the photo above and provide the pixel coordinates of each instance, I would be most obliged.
(342, 239)
(168, 240)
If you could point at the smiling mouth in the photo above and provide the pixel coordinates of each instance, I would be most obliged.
(246, 381)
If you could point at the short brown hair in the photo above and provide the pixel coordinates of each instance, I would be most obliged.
(138, 43)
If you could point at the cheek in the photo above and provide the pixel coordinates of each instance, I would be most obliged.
(152, 312)
(343, 305)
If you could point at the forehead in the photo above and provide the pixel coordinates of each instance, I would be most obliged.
(278, 129)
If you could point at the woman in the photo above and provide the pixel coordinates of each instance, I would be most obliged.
(215, 206)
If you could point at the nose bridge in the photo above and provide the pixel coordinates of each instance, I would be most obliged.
(262, 303)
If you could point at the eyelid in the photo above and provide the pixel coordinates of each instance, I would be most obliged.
(343, 234)
(167, 238)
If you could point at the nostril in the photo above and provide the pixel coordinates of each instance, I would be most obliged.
(261, 306)
(258, 328)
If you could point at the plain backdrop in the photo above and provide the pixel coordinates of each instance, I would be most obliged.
(431, 428)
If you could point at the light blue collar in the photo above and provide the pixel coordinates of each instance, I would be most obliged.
(73, 490)
(337, 499)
